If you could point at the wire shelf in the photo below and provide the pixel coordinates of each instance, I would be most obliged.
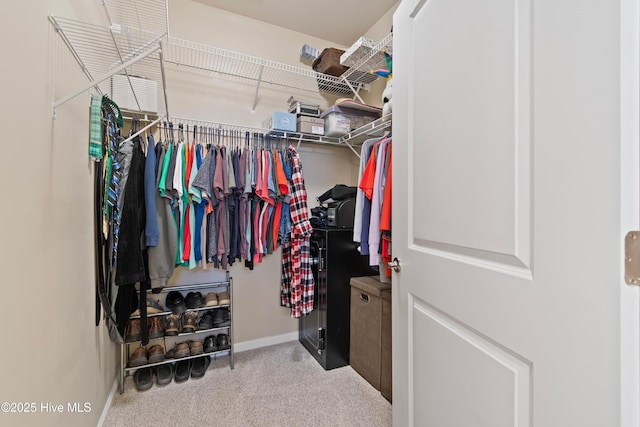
(102, 52)
(360, 72)
(133, 56)
(147, 15)
(230, 64)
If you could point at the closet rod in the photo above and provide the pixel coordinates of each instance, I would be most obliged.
(301, 137)
(153, 123)
(106, 76)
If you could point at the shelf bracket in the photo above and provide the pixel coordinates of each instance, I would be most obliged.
(255, 98)
(355, 92)
(106, 76)
(164, 83)
(351, 147)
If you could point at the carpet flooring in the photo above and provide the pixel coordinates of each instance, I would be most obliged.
(280, 385)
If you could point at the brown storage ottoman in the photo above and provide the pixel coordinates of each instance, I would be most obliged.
(385, 356)
(366, 327)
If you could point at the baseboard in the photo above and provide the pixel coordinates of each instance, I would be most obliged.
(265, 342)
(107, 404)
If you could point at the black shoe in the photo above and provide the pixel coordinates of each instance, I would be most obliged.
(221, 317)
(143, 379)
(210, 344)
(200, 366)
(223, 342)
(206, 322)
(194, 300)
(182, 371)
(164, 374)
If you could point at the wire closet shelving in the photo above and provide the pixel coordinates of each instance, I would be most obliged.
(137, 46)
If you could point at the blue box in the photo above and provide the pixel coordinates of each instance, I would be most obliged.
(280, 120)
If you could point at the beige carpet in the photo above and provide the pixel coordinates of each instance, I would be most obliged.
(281, 385)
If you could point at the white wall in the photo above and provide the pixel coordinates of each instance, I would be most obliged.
(51, 352)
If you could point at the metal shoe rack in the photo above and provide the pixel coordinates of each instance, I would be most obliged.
(127, 348)
(137, 44)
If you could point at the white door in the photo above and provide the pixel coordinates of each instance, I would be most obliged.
(508, 214)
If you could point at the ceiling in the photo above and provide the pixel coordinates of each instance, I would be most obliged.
(339, 21)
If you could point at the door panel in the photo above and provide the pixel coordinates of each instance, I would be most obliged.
(478, 113)
(506, 221)
(469, 367)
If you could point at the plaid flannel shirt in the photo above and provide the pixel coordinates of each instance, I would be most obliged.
(297, 284)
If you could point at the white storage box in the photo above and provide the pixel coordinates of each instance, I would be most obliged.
(146, 91)
(361, 48)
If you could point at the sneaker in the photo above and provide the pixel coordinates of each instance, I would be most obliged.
(189, 321)
(139, 357)
(224, 298)
(132, 332)
(156, 327)
(153, 307)
(172, 325)
(195, 347)
(212, 299)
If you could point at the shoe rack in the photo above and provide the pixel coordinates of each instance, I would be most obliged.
(168, 342)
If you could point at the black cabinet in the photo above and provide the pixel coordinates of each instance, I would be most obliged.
(325, 331)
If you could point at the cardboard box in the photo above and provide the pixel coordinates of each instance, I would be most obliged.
(280, 120)
(312, 125)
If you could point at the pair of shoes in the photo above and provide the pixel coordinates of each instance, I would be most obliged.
(195, 347)
(132, 332)
(175, 325)
(210, 344)
(156, 326)
(199, 366)
(189, 321)
(214, 299)
(139, 357)
(181, 349)
(206, 321)
(221, 317)
(153, 307)
(164, 374)
(143, 378)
